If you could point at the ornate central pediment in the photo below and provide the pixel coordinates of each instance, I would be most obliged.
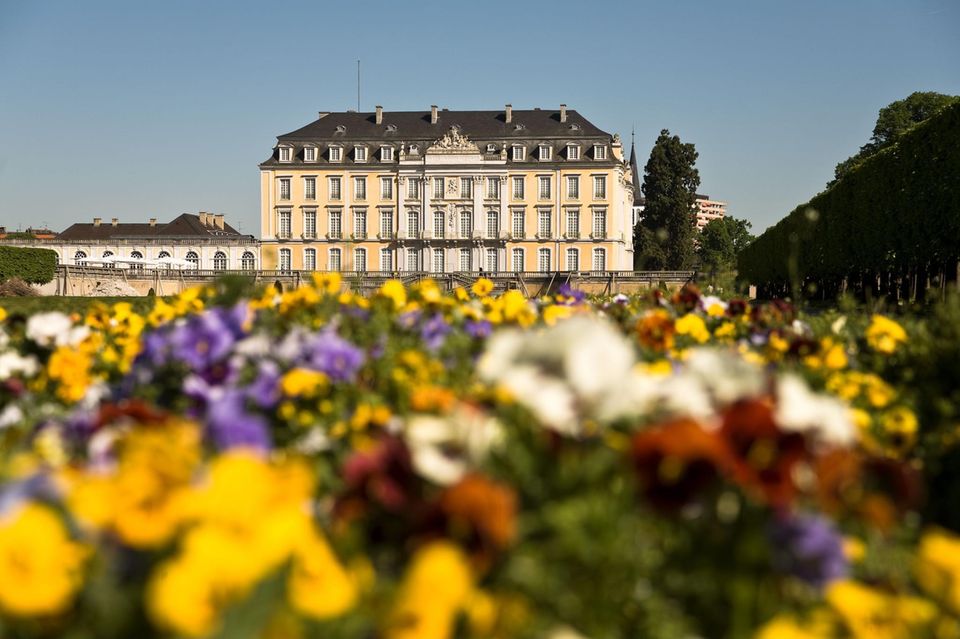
(454, 142)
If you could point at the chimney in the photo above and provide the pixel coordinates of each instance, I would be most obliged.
(379, 114)
(433, 114)
(153, 221)
(96, 221)
(218, 221)
(563, 112)
(322, 114)
(114, 221)
(509, 113)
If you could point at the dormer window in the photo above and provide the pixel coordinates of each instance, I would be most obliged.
(309, 154)
(491, 148)
(518, 153)
(544, 152)
(359, 154)
(573, 152)
(414, 149)
(336, 154)
(599, 152)
(519, 127)
(285, 153)
(386, 154)
(391, 128)
(574, 127)
(341, 128)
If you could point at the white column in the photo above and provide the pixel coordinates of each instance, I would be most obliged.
(401, 212)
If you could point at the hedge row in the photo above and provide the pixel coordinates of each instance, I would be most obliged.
(34, 265)
(886, 228)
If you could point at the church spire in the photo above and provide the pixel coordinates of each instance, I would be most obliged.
(634, 169)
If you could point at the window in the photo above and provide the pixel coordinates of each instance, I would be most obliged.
(493, 224)
(519, 230)
(248, 261)
(544, 152)
(493, 188)
(359, 154)
(543, 260)
(413, 224)
(360, 259)
(286, 262)
(360, 188)
(492, 261)
(136, 255)
(79, 256)
(543, 223)
(599, 259)
(544, 190)
(284, 154)
(465, 260)
(518, 187)
(360, 224)
(516, 259)
(518, 153)
(309, 154)
(386, 188)
(310, 188)
(386, 259)
(335, 192)
(310, 224)
(573, 223)
(284, 188)
(283, 225)
(438, 188)
(336, 224)
(386, 224)
(386, 154)
(466, 187)
(219, 261)
(573, 187)
(599, 223)
(193, 258)
(438, 265)
(413, 188)
(161, 255)
(335, 263)
(438, 224)
(310, 259)
(599, 152)
(466, 223)
(107, 254)
(573, 259)
(336, 154)
(413, 260)
(599, 187)
(573, 152)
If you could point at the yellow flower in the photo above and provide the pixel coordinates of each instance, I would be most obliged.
(318, 585)
(3, 314)
(302, 382)
(659, 368)
(182, 599)
(834, 356)
(873, 614)
(461, 294)
(786, 626)
(884, 335)
(716, 310)
(552, 314)
(482, 287)
(40, 566)
(726, 330)
(854, 549)
(937, 567)
(329, 283)
(437, 586)
(71, 368)
(394, 290)
(694, 326)
(900, 427)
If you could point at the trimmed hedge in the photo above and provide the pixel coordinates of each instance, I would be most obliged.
(34, 265)
(883, 229)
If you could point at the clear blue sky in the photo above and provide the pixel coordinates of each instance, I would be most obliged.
(136, 110)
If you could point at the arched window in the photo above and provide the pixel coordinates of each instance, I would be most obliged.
(219, 261)
(310, 259)
(136, 255)
(163, 254)
(78, 256)
(107, 254)
(285, 260)
(193, 258)
(493, 224)
(247, 261)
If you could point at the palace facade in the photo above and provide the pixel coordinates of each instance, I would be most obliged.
(447, 191)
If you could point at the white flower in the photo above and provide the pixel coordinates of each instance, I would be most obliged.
(724, 375)
(838, 324)
(11, 415)
(55, 329)
(443, 449)
(825, 418)
(598, 358)
(315, 441)
(12, 363)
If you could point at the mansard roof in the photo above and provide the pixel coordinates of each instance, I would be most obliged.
(186, 225)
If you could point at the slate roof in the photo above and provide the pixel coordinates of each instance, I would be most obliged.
(186, 225)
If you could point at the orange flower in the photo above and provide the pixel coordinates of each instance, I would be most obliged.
(655, 330)
(425, 399)
(485, 508)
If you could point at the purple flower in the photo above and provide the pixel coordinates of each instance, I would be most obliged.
(478, 328)
(231, 425)
(434, 332)
(809, 548)
(199, 341)
(568, 291)
(334, 356)
(264, 390)
(409, 319)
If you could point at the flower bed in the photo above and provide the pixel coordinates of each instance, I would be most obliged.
(426, 465)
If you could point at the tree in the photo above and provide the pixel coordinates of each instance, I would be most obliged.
(664, 237)
(894, 120)
(721, 241)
